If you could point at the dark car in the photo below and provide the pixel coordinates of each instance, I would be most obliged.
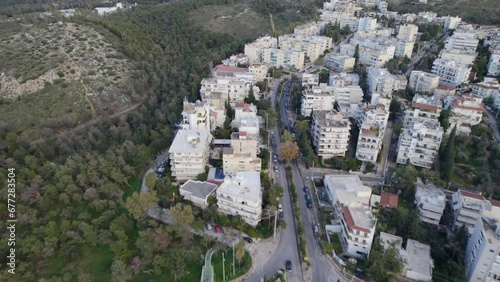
(306, 189)
(282, 215)
(288, 266)
(248, 240)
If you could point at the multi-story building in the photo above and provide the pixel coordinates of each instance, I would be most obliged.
(343, 79)
(259, 70)
(417, 261)
(375, 40)
(482, 255)
(242, 156)
(430, 201)
(318, 98)
(225, 70)
(197, 192)
(339, 62)
(312, 46)
(459, 57)
(236, 60)
(488, 88)
(450, 72)
(241, 195)
(343, 19)
(494, 62)
(307, 29)
(366, 3)
(422, 82)
(367, 24)
(309, 79)
(348, 97)
(283, 58)
(404, 49)
(189, 153)
(357, 230)
(463, 42)
(367, 56)
(428, 17)
(344, 190)
(245, 118)
(444, 91)
(330, 133)
(254, 50)
(381, 6)
(235, 89)
(452, 22)
(423, 108)
(407, 32)
(196, 116)
(467, 208)
(372, 123)
(419, 143)
(381, 81)
(466, 111)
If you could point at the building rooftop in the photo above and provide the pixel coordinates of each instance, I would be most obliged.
(388, 240)
(199, 189)
(359, 217)
(190, 141)
(417, 257)
(445, 87)
(388, 200)
(224, 68)
(242, 185)
(348, 188)
(330, 119)
(491, 230)
(429, 193)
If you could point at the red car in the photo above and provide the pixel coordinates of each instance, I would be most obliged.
(217, 228)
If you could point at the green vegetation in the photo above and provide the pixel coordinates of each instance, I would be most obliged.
(481, 61)
(305, 144)
(448, 155)
(297, 214)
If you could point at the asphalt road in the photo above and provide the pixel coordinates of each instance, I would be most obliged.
(431, 45)
(493, 122)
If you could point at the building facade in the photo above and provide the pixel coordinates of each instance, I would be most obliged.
(330, 133)
(189, 153)
(339, 63)
(419, 143)
(422, 82)
(430, 201)
(482, 256)
(287, 59)
(254, 50)
(450, 72)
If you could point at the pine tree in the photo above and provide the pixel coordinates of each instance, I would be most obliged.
(449, 156)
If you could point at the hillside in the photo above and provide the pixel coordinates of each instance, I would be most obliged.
(63, 74)
(473, 11)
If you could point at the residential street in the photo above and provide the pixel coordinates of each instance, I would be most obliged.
(422, 52)
(493, 122)
(386, 143)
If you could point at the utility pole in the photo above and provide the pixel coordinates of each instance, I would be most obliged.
(275, 220)
(234, 265)
(223, 268)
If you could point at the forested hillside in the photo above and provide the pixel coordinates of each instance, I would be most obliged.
(71, 190)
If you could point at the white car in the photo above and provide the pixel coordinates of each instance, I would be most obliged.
(280, 208)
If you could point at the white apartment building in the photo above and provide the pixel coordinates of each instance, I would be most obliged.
(467, 208)
(430, 201)
(283, 58)
(343, 79)
(417, 261)
(241, 195)
(318, 98)
(466, 111)
(254, 50)
(341, 18)
(366, 3)
(242, 156)
(367, 24)
(422, 82)
(494, 62)
(307, 29)
(225, 70)
(259, 70)
(373, 122)
(196, 116)
(348, 98)
(375, 41)
(312, 46)
(407, 32)
(339, 63)
(236, 60)
(423, 108)
(357, 230)
(450, 72)
(444, 91)
(189, 153)
(245, 118)
(309, 79)
(427, 16)
(381, 5)
(330, 133)
(452, 22)
(488, 88)
(482, 256)
(464, 42)
(380, 81)
(419, 143)
(234, 88)
(367, 56)
(404, 49)
(344, 190)
(459, 57)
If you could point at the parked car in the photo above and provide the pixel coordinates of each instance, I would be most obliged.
(276, 169)
(315, 228)
(306, 189)
(248, 240)
(288, 266)
(280, 208)
(217, 228)
(208, 226)
(282, 215)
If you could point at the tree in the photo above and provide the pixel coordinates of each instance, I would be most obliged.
(356, 55)
(250, 99)
(139, 203)
(324, 76)
(287, 136)
(150, 180)
(444, 119)
(449, 156)
(182, 214)
(288, 151)
(404, 179)
(239, 250)
(120, 272)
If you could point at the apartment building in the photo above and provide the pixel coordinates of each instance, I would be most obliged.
(367, 24)
(380, 81)
(330, 133)
(367, 56)
(423, 108)
(242, 155)
(467, 208)
(407, 32)
(428, 17)
(422, 82)
(343, 19)
(366, 3)
(452, 22)
(494, 62)
(463, 42)
(404, 49)
(196, 116)
(459, 57)
(189, 153)
(450, 72)
(307, 29)
(372, 123)
(417, 261)
(234, 88)
(430, 201)
(259, 70)
(309, 79)
(312, 46)
(357, 230)
(245, 118)
(466, 111)
(339, 63)
(343, 79)
(482, 255)
(241, 195)
(236, 60)
(375, 41)
(348, 98)
(381, 6)
(419, 143)
(344, 190)
(318, 98)
(488, 88)
(255, 49)
(283, 58)
(444, 91)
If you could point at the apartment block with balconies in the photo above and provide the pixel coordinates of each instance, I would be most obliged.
(254, 50)
(318, 98)
(380, 81)
(196, 116)
(312, 46)
(450, 72)
(423, 82)
(467, 208)
(357, 230)
(330, 133)
(466, 111)
(189, 153)
(372, 123)
(419, 143)
(482, 255)
(286, 58)
(339, 62)
(242, 155)
(430, 201)
(423, 108)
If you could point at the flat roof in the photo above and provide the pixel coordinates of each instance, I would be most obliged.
(190, 141)
(359, 218)
(348, 188)
(418, 257)
(242, 185)
(199, 189)
(388, 240)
